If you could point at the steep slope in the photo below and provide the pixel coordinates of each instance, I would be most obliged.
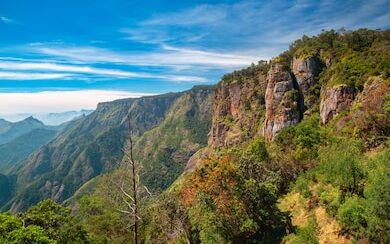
(163, 151)
(10, 131)
(7, 185)
(87, 148)
(238, 106)
(330, 98)
(20, 147)
(4, 124)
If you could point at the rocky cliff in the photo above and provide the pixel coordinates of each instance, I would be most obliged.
(306, 72)
(277, 95)
(284, 103)
(335, 100)
(238, 107)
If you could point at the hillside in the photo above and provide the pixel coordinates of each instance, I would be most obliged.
(10, 131)
(295, 150)
(88, 147)
(20, 147)
(6, 188)
(297, 153)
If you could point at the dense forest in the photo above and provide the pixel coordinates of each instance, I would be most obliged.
(291, 150)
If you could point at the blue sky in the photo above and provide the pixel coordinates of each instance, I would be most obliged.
(132, 48)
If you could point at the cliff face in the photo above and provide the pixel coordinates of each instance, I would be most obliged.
(282, 96)
(283, 101)
(335, 100)
(306, 73)
(237, 110)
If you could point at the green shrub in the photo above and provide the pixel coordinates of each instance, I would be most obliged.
(352, 216)
(342, 168)
(377, 193)
(305, 234)
(330, 198)
(302, 186)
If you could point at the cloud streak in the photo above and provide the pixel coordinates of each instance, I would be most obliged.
(32, 76)
(195, 44)
(263, 28)
(76, 70)
(58, 101)
(167, 56)
(6, 20)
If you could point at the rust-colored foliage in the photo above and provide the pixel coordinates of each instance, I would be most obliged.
(217, 178)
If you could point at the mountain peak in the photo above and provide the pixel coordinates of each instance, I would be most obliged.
(31, 119)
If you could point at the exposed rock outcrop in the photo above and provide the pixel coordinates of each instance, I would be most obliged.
(306, 73)
(196, 159)
(335, 100)
(284, 104)
(238, 106)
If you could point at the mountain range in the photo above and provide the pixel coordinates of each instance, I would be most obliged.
(52, 119)
(294, 150)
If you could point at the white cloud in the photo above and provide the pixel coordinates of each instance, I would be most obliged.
(58, 101)
(6, 20)
(77, 69)
(167, 56)
(32, 76)
(247, 25)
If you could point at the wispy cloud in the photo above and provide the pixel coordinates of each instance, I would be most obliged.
(5, 75)
(167, 56)
(264, 28)
(75, 71)
(199, 15)
(58, 101)
(198, 43)
(6, 20)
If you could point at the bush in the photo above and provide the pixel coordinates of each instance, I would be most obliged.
(304, 138)
(57, 221)
(342, 168)
(12, 231)
(330, 198)
(301, 185)
(377, 193)
(352, 216)
(305, 234)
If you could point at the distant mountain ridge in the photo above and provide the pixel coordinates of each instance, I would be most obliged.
(54, 119)
(10, 131)
(92, 145)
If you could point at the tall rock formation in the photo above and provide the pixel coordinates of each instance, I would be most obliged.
(306, 73)
(284, 104)
(237, 110)
(334, 100)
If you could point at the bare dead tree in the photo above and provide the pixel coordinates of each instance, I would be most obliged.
(131, 198)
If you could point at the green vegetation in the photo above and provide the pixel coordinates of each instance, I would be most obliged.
(20, 147)
(248, 74)
(314, 183)
(44, 223)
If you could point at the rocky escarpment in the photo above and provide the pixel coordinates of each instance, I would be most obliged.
(306, 73)
(238, 107)
(284, 104)
(335, 100)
